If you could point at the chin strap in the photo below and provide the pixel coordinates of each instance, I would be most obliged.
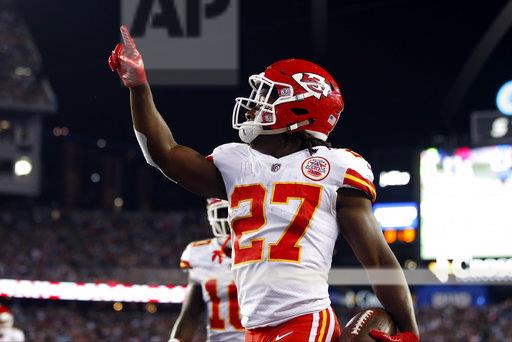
(289, 128)
(249, 133)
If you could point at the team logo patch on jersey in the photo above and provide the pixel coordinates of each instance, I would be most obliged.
(316, 168)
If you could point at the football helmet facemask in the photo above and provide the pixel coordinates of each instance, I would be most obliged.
(291, 95)
(217, 211)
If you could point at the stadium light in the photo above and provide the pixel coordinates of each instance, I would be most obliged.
(499, 127)
(95, 177)
(407, 235)
(394, 178)
(23, 166)
(151, 308)
(390, 235)
(118, 202)
(101, 143)
(396, 215)
(504, 98)
(5, 125)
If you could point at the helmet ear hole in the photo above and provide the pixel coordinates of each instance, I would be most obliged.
(300, 111)
(274, 95)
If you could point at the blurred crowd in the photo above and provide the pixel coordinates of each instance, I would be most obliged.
(21, 80)
(75, 321)
(487, 323)
(46, 244)
(490, 323)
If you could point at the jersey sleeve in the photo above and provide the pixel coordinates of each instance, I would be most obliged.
(226, 152)
(190, 264)
(228, 159)
(218, 153)
(196, 260)
(185, 260)
(358, 174)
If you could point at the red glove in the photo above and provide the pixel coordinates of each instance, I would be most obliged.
(406, 336)
(127, 61)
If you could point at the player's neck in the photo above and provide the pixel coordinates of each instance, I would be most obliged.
(278, 145)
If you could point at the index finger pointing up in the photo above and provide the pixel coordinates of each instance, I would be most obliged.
(128, 40)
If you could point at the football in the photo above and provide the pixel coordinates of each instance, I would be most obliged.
(357, 329)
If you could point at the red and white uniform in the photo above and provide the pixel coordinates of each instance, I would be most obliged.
(11, 334)
(209, 267)
(284, 226)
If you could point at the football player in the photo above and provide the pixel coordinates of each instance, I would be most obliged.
(211, 286)
(7, 331)
(289, 195)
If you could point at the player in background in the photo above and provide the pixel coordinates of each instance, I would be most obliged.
(8, 333)
(211, 287)
(289, 195)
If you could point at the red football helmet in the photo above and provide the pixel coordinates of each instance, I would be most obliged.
(6, 318)
(217, 211)
(291, 95)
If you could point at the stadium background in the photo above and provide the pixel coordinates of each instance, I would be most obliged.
(91, 210)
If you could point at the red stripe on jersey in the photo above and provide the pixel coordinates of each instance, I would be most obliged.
(354, 179)
(209, 158)
(185, 265)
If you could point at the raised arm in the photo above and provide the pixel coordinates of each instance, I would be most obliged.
(179, 163)
(187, 322)
(359, 227)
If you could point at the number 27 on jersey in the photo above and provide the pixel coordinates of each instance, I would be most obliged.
(287, 248)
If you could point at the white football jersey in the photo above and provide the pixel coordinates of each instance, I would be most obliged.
(11, 334)
(212, 269)
(284, 225)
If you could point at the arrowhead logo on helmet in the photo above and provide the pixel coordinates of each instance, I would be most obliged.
(291, 95)
(314, 84)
